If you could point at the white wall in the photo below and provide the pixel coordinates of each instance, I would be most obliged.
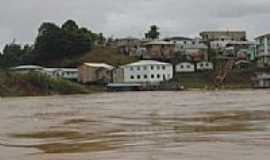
(218, 44)
(148, 73)
(185, 67)
(205, 66)
(62, 73)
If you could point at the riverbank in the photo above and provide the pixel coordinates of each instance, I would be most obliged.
(34, 84)
(205, 80)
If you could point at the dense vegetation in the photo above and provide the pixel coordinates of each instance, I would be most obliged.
(53, 43)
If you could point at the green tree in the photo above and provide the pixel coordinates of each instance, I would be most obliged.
(13, 54)
(70, 26)
(54, 43)
(153, 33)
(49, 42)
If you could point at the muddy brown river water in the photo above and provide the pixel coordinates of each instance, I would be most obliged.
(225, 125)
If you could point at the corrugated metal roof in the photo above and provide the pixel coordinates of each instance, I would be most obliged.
(147, 62)
(27, 67)
(61, 69)
(158, 43)
(262, 36)
(178, 38)
(99, 65)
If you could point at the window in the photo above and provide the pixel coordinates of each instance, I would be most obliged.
(152, 67)
(163, 67)
(206, 64)
(138, 68)
(131, 77)
(201, 64)
(138, 77)
(145, 67)
(152, 76)
(158, 67)
(182, 66)
(188, 66)
(145, 76)
(131, 68)
(158, 76)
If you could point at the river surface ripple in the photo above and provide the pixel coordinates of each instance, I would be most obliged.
(194, 125)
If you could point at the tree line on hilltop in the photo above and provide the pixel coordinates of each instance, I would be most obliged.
(52, 43)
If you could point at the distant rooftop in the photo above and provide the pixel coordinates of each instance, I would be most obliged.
(61, 69)
(262, 36)
(147, 62)
(128, 38)
(158, 43)
(99, 65)
(177, 38)
(21, 67)
(224, 31)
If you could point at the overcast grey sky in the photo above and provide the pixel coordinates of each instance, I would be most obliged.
(121, 18)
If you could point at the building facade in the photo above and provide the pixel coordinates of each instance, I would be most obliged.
(180, 41)
(185, 67)
(160, 50)
(262, 80)
(193, 49)
(145, 71)
(95, 72)
(205, 66)
(263, 50)
(223, 35)
(65, 73)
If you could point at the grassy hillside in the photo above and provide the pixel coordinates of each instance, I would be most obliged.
(34, 84)
(236, 79)
(108, 55)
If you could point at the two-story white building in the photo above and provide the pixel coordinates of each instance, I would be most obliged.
(263, 50)
(145, 71)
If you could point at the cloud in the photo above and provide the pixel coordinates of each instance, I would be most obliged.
(122, 18)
